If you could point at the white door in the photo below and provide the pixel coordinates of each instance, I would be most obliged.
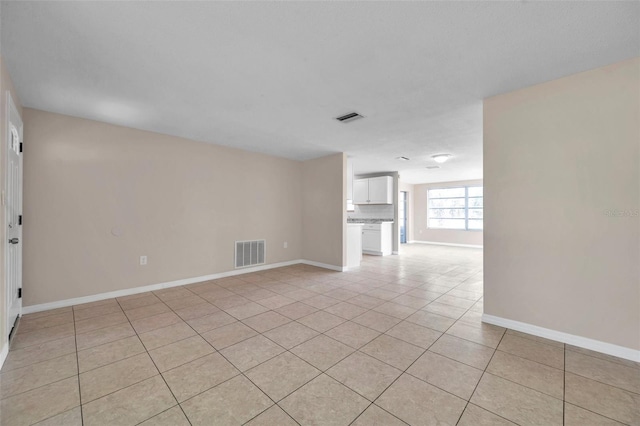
(13, 214)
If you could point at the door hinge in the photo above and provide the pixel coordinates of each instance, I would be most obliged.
(20, 293)
(20, 220)
(20, 146)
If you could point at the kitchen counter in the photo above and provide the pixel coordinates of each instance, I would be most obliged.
(369, 221)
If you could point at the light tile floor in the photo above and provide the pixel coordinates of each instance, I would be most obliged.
(398, 341)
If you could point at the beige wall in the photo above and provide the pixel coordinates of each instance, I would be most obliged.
(557, 157)
(448, 236)
(5, 85)
(324, 210)
(179, 202)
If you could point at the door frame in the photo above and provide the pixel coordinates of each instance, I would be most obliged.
(11, 110)
(404, 200)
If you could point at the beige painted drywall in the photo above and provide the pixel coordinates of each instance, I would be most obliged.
(557, 158)
(6, 85)
(324, 214)
(98, 196)
(408, 188)
(447, 236)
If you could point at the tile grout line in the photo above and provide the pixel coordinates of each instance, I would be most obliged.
(635, 367)
(425, 351)
(478, 384)
(156, 366)
(323, 372)
(357, 350)
(289, 351)
(405, 372)
(240, 373)
(564, 384)
(347, 320)
(75, 338)
(599, 414)
(57, 381)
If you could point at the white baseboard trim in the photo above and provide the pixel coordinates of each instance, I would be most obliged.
(559, 336)
(376, 253)
(135, 290)
(324, 265)
(4, 353)
(438, 243)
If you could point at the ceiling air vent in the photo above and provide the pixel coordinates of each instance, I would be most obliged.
(349, 117)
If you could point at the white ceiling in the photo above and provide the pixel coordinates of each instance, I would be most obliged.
(271, 76)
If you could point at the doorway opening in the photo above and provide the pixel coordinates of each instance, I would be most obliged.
(402, 215)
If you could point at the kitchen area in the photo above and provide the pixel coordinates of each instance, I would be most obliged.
(372, 209)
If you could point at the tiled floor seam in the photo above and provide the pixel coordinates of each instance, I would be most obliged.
(98, 329)
(598, 414)
(403, 372)
(160, 373)
(40, 343)
(111, 363)
(43, 385)
(38, 362)
(530, 360)
(162, 412)
(258, 387)
(559, 369)
(477, 384)
(161, 346)
(369, 406)
(241, 373)
(395, 380)
(38, 387)
(174, 397)
(289, 351)
(460, 318)
(75, 338)
(602, 383)
(274, 405)
(531, 337)
(637, 366)
(564, 384)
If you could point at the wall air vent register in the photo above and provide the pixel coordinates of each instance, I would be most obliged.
(250, 253)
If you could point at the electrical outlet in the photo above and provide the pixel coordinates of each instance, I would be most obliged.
(143, 260)
(286, 244)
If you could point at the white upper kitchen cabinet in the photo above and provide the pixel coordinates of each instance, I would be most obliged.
(376, 190)
(361, 191)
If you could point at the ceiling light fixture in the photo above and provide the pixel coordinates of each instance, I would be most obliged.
(432, 167)
(402, 158)
(441, 158)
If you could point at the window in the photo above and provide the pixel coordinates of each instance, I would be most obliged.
(455, 208)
